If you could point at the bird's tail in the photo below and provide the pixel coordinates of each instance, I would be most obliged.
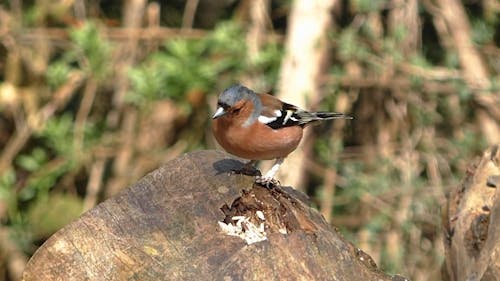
(305, 117)
(329, 115)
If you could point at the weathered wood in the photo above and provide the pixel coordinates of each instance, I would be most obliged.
(471, 221)
(167, 227)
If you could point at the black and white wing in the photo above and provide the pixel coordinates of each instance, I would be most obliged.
(290, 115)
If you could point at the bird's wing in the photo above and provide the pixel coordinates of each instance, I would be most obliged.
(277, 114)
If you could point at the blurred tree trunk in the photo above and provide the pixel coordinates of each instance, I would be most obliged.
(303, 64)
(405, 15)
(474, 70)
(259, 14)
(342, 104)
(189, 13)
(255, 39)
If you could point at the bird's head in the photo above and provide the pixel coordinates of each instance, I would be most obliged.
(233, 99)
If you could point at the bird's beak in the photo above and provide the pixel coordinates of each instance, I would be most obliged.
(219, 112)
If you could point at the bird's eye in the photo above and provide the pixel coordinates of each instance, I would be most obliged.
(223, 105)
(236, 110)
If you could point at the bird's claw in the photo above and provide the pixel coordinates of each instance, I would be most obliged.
(267, 182)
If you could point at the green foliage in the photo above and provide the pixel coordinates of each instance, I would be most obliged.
(268, 62)
(57, 73)
(7, 192)
(392, 264)
(34, 161)
(422, 116)
(365, 6)
(92, 51)
(34, 211)
(49, 214)
(463, 91)
(400, 33)
(350, 46)
(482, 32)
(377, 225)
(89, 52)
(44, 173)
(327, 149)
(228, 38)
(451, 60)
(172, 73)
(466, 145)
(57, 134)
(392, 50)
(49, 162)
(420, 60)
(376, 180)
(187, 64)
(147, 82)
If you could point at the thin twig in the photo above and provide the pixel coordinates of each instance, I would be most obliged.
(24, 131)
(16, 259)
(328, 194)
(15, 144)
(94, 184)
(112, 33)
(61, 35)
(124, 153)
(153, 23)
(82, 114)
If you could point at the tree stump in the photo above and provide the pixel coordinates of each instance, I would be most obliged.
(471, 221)
(193, 220)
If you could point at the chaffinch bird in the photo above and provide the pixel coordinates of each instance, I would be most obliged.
(261, 127)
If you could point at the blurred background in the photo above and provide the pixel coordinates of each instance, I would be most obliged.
(96, 94)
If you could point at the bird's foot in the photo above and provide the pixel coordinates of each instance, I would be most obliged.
(248, 170)
(268, 182)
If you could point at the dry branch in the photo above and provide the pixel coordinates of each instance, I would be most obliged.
(29, 35)
(113, 33)
(24, 131)
(15, 258)
(471, 222)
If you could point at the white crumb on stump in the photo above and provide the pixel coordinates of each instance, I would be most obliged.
(244, 228)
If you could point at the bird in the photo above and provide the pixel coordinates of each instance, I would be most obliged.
(257, 126)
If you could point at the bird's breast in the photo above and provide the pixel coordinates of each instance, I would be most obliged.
(257, 141)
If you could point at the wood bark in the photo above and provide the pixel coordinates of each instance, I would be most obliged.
(167, 227)
(471, 222)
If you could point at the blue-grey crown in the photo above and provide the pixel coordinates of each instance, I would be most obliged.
(238, 92)
(235, 93)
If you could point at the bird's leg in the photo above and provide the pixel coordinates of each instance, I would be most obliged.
(268, 179)
(248, 169)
